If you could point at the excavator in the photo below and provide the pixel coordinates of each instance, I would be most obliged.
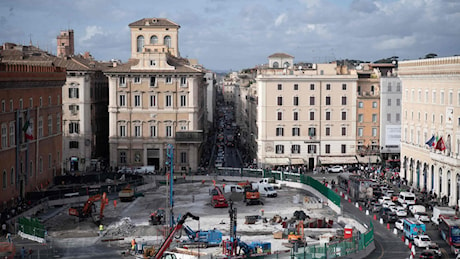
(89, 209)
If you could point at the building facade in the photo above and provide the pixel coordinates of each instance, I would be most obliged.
(157, 99)
(30, 122)
(430, 137)
(306, 115)
(390, 119)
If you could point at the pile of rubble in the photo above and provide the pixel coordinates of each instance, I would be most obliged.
(122, 228)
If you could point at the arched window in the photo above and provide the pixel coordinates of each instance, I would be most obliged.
(167, 41)
(154, 39)
(440, 181)
(4, 179)
(286, 64)
(276, 64)
(140, 43)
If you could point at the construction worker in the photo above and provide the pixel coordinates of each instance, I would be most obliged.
(101, 229)
(133, 245)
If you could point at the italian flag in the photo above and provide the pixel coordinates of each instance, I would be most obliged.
(28, 130)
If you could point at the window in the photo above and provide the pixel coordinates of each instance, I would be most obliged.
(137, 79)
(140, 43)
(280, 115)
(4, 136)
(312, 86)
(312, 115)
(73, 144)
(328, 101)
(4, 179)
(311, 148)
(122, 100)
(73, 127)
(183, 81)
(360, 118)
(344, 86)
(344, 131)
(73, 93)
(344, 115)
(153, 63)
(398, 117)
(12, 134)
(374, 104)
(344, 100)
(398, 87)
(296, 116)
(295, 149)
(21, 103)
(328, 131)
(360, 131)
(296, 101)
(12, 174)
(154, 39)
(389, 102)
(153, 81)
(122, 130)
(74, 109)
(295, 131)
(169, 131)
(137, 131)
(312, 101)
(49, 101)
(296, 86)
(122, 157)
(374, 118)
(328, 148)
(50, 125)
(388, 117)
(389, 86)
(343, 148)
(374, 131)
(328, 115)
(137, 100)
(328, 86)
(398, 102)
(4, 106)
(280, 101)
(442, 97)
(279, 149)
(168, 80)
(122, 81)
(12, 104)
(434, 97)
(40, 165)
(280, 87)
(311, 132)
(153, 100)
(183, 157)
(360, 104)
(168, 101)
(183, 100)
(279, 131)
(153, 131)
(167, 41)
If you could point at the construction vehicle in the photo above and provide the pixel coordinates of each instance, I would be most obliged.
(217, 198)
(89, 209)
(169, 238)
(252, 196)
(126, 194)
(204, 237)
(158, 217)
(298, 236)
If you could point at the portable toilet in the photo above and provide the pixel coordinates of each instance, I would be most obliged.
(347, 232)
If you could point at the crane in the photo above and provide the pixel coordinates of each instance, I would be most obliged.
(89, 207)
(169, 238)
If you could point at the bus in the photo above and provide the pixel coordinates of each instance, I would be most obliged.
(413, 227)
(449, 227)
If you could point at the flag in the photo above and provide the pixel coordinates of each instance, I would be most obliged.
(440, 145)
(431, 142)
(28, 130)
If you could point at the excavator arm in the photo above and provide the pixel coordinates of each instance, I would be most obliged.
(168, 240)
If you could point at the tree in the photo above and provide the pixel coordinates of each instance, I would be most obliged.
(431, 55)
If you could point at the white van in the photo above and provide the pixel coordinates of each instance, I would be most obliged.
(233, 188)
(407, 198)
(145, 170)
(267, 190)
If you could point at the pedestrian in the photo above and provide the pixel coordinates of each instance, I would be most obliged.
(8, 237)
(23, 253)
(101, 229)
(29, 254)
(3, 228)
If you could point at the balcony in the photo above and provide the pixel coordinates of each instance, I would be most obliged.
(439, 157)
(189, 136)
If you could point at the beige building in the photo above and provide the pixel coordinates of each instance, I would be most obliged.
(155, 100)
(431, 107)
(306, 115)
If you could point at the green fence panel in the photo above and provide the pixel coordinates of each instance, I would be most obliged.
(32, 226)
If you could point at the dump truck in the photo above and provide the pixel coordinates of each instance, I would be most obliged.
(126, 194)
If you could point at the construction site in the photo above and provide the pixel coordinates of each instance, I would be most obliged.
(193, 217)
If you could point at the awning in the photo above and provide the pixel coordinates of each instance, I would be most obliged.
(338, 159)
(369, 159)
(295, 161)
(276, 161)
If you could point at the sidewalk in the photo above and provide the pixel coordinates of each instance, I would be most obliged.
(45, 251)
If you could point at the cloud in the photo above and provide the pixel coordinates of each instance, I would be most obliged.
(90, 32)
(396, 43)
(280, 19)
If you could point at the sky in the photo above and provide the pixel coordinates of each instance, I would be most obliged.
(239, 34)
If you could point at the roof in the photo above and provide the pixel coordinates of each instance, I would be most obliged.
(154, 22)
(280, 55)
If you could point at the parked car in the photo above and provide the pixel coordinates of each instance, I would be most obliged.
(401, 211)
(384, 199)
(399, 224)
(376, 207)
(428, 254)
(422, 216)
(387, 215)
(336, 169)
(416, 208)
(422, 241)
(435, 248)
(388, 204)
